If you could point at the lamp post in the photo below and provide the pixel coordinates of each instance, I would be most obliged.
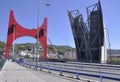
(37, 50)
(13, 39)
(109, 44)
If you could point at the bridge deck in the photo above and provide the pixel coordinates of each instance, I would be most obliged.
(12, 72)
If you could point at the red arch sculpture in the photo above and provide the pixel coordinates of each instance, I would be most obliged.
(14, 29)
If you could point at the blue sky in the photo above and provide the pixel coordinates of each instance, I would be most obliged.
(59, 29)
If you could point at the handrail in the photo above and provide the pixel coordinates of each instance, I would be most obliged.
(74, 70)
(2, 63)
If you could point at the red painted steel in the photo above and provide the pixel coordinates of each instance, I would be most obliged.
(17, 31)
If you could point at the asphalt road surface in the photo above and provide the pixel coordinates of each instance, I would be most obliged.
(13, 72)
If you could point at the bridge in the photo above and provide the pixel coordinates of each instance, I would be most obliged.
(89, 49)
(13, 72)
(46, 71)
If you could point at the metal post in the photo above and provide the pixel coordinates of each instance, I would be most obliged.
(109, 44)
(49, 68)
(100, 74)
(37, 50)
(77, 73)
(37, 35)
(60, 70)
(13, 39)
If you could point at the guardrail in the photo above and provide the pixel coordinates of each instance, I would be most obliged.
(73, 69)
(2, 63)
(95, 64)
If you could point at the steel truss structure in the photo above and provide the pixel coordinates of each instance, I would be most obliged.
(89, 36)
(80, 34)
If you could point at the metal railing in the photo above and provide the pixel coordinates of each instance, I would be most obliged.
(2, 61)
(75, 69)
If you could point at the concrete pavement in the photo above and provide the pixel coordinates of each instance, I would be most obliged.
(12, 72)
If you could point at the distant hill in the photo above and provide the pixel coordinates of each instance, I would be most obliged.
(2, 45)
(60, 48)
(52, 48)
(113, 52)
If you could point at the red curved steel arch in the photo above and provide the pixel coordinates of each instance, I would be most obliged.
(17, 31)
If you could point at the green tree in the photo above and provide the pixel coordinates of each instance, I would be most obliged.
(2, 45)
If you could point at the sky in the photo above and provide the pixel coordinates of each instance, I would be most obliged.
(59, 29)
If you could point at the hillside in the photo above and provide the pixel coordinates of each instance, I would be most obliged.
(113, 51)
(2, 45)
(28, 46)
(59, 48)
(51, 48)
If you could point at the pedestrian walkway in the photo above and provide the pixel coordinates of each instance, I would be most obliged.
(12, 72)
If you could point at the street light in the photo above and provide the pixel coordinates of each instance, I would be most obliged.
(109, 44)
(46, 4)
(13, 38)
